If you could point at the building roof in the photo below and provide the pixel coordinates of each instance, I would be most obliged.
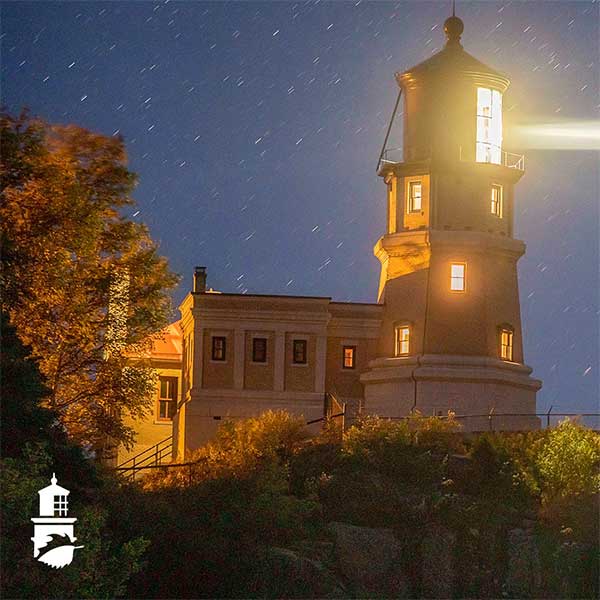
(168, 344)
(451, 62)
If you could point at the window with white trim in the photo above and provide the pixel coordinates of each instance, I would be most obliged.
(458, 277)
(415, 196)
(402, 340)
(496, 200)
(167, 398)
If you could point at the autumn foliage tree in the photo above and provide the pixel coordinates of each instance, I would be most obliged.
(83, 285)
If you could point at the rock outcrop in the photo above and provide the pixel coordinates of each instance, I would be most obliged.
(369, 560)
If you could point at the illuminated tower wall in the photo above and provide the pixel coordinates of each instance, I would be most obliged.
(451, 336)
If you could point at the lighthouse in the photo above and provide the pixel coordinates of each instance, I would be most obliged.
(52, 517)
(451, 336)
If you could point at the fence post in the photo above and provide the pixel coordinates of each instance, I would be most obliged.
(490, 417)
(548, 416)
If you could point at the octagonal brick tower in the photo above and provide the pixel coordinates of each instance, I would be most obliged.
(451, 335)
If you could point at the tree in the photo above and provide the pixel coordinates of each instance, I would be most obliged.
(82, 284)
(34, 444)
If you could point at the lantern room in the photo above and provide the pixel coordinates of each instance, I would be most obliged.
(53, 500)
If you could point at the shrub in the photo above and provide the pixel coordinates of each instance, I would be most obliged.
(569, 462)
(240, 449)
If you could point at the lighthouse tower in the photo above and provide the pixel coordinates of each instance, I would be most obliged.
(451, 336)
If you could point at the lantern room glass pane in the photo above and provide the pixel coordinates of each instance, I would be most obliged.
(489, 126)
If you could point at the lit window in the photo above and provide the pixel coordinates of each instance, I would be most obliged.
(167, 398)
(489, 126)
(415, 194)
(496, 204)
(402, 340)
(506, 344)
(219, 348)
(349, 356)
(259, 350)
(457, 277)
(299, 352)
(60, 506)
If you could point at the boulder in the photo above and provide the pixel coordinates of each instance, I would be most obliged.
(369, 560)
(437, 553)
(523, 577)
(287, 574)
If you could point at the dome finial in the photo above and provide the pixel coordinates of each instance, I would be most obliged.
(53, 480)
(453, 27)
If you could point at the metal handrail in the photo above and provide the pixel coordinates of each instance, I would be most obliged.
(511, 160)
(153, 453)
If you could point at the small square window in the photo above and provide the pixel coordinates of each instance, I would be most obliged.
(348, 357)
(457, 277)
(506, 344)
(496, 200)
(415, 196)
(402, 340)
(299, 352)
(219, 348)
(259, 350)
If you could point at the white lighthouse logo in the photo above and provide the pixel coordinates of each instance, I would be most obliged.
(53, 538)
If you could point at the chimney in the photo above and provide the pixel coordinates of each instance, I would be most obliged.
(199, 280)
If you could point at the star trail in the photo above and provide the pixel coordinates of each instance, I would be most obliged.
(255, 129)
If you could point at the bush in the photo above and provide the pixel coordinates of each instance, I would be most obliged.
(569, 462)
(257, 444)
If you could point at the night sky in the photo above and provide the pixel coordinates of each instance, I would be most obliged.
(255, 130)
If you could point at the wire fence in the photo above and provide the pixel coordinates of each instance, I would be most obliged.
(493, 421)
(472, 424)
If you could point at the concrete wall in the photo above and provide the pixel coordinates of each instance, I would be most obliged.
(241, 388)
(461, 384)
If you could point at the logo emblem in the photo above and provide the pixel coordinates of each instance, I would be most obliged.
(53, 538)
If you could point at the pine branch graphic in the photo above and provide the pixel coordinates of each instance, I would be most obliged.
(57, 551)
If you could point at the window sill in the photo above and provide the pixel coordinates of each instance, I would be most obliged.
(302, 365)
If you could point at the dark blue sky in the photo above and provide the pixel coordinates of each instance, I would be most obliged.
(255, 130)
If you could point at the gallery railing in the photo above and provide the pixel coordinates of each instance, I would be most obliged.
(511, 160)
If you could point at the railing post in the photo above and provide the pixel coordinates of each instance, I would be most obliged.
(548, 416)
